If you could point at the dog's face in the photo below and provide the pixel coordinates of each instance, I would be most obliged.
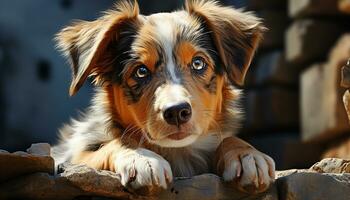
(166, 74)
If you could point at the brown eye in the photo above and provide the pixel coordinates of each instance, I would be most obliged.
(141, 72)
(198, 64)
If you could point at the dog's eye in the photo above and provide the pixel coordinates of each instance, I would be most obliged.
(198, 64)
(141, 72)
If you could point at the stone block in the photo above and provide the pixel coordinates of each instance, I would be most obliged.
(308, 40)
(323, 114)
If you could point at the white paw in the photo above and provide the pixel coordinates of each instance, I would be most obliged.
(251, 170)
(142, 167)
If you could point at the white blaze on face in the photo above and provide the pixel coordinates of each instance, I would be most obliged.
(166, 32)
(166, 96)
(169, 95)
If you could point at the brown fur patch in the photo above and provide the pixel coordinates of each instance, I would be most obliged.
(185, 52)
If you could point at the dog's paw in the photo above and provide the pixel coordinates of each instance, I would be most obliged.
(249, 170)
(143, 168)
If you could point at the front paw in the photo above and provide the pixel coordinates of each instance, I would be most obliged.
(141, 167)
(249, 170)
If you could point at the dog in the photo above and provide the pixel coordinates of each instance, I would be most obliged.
(166, 98)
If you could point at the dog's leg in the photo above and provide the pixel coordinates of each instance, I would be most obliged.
(137, 167)
(244, 166)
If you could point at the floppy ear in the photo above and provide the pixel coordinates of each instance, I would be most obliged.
(85, 43)
(236, 34)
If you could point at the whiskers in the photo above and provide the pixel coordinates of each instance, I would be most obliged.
(130, 131)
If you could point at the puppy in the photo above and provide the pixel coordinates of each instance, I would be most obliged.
(165, 100)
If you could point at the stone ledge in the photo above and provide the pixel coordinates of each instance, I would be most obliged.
(328, 179)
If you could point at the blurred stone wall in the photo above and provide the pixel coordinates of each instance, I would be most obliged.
(293, 100)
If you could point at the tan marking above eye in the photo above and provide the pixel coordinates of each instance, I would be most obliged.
(185, 52)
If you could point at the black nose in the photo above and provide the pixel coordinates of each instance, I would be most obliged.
(178, 114)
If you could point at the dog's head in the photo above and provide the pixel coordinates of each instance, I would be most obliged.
(168, 74)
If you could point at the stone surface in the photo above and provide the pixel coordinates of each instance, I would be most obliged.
(302, 8)
(21, 163)
(308, 40)
(314, 186)
(323, 113)
(81, 182)
(332, 165)
(311, 83)
(96, 182)
(209, 186)
(40, 149)
(39, 186)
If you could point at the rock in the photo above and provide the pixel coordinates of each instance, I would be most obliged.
(322, 110)
(96, 182)
(209, 186)
(40, 149)
(78, 181)
(20, 163)
(3, 151)
(39, 186)
(311, 86)
(20, 153)
(107, 184)
(314, 186)
(332, 165)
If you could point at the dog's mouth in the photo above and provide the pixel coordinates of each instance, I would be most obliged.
(178, 135)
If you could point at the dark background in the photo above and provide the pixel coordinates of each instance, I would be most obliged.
(34, 80)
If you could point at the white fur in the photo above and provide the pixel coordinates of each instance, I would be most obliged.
(142, 167)
(169, 95)
(210, 142)
(166, 142)
(165, 29)
(252, 168)
(194, 159)
(92, 128)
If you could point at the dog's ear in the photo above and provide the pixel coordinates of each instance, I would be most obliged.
(236, 34)
(85, 43)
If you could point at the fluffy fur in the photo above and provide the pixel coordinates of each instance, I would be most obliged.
(144, 65)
